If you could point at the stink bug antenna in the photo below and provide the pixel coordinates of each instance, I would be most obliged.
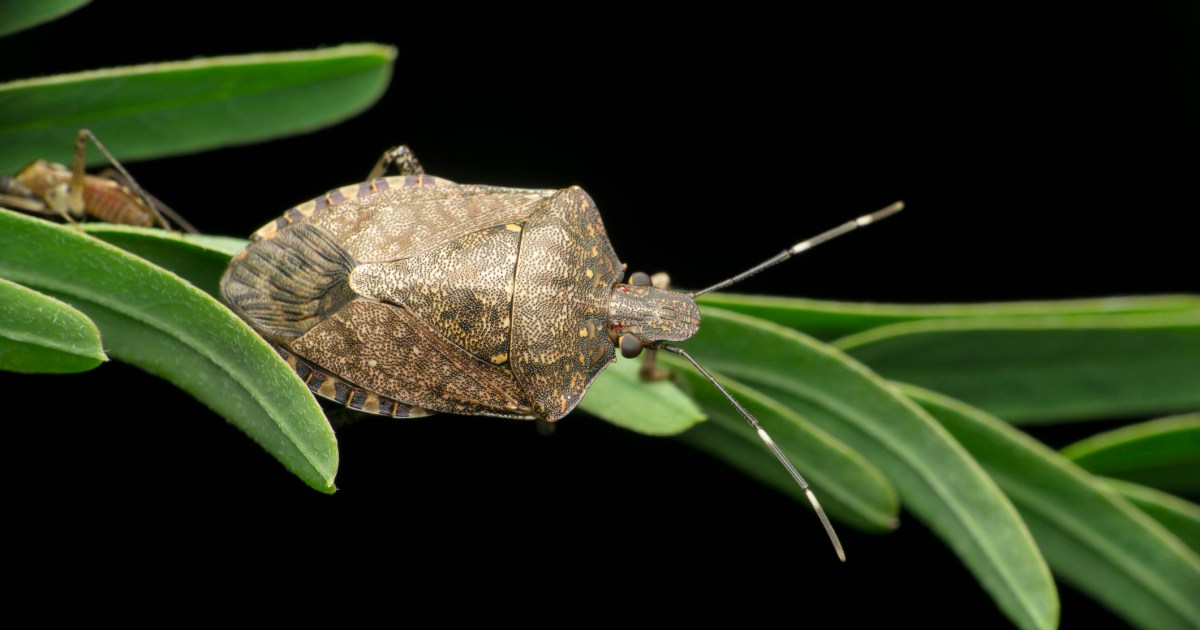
(766, 437)
(803, 246)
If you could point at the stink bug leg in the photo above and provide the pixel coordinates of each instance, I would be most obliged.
(649, 370)
(402, 158)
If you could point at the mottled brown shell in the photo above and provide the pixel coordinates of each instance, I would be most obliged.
(410, 295)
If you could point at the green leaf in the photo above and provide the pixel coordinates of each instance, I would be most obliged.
(1092, 537)
(41, 334)
(937, 480)
(229, 245)
(850, 489)
(1163, 453)
(1040, 369)
(828, 320)
(1179, 516)
(656, 408)
(160, 323)
(199, 259)
(179, 107)
(18, 15)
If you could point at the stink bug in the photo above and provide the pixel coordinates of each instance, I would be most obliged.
(410, 295)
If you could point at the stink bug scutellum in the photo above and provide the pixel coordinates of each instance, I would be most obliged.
(410, 295)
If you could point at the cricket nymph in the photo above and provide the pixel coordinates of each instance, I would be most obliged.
(70, 193)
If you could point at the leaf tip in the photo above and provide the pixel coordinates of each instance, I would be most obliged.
(325, 486)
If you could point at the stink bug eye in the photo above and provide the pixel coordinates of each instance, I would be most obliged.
(631, 347)
(411, 295)
(640, 279)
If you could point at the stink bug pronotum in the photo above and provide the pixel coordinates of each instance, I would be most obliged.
(410, 295)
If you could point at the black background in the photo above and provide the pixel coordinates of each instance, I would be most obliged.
(1041, 154)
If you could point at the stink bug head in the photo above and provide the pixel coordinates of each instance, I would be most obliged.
(650, 314)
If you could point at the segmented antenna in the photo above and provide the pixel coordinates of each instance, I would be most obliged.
(766, 438)
(798, 248)
(804, 246)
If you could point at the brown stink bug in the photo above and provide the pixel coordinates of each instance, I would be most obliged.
(50, 189)
(410, 295)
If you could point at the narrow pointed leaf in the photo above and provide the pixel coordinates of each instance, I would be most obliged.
(197, 258)
(829, 320)
(41, 334)
(850, 489)
(159, 322)
(1092, 537)
(1163, 453)
(1180, 516)
(657, 408)
(1041, 369)
(228, 245)
(937, 480)
(187, 106)
(18, 15)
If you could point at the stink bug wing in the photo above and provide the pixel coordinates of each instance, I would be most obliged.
(293, 284)
(286, 285)
(285, 280)
(404, 216)
(564, 277)
(386, 350)
(296, 290)
(463, 290)
(338, 196)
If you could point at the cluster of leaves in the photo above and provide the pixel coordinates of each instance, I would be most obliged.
(881, 405)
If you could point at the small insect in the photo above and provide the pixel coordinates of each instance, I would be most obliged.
(410, 295)
(50, 189)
